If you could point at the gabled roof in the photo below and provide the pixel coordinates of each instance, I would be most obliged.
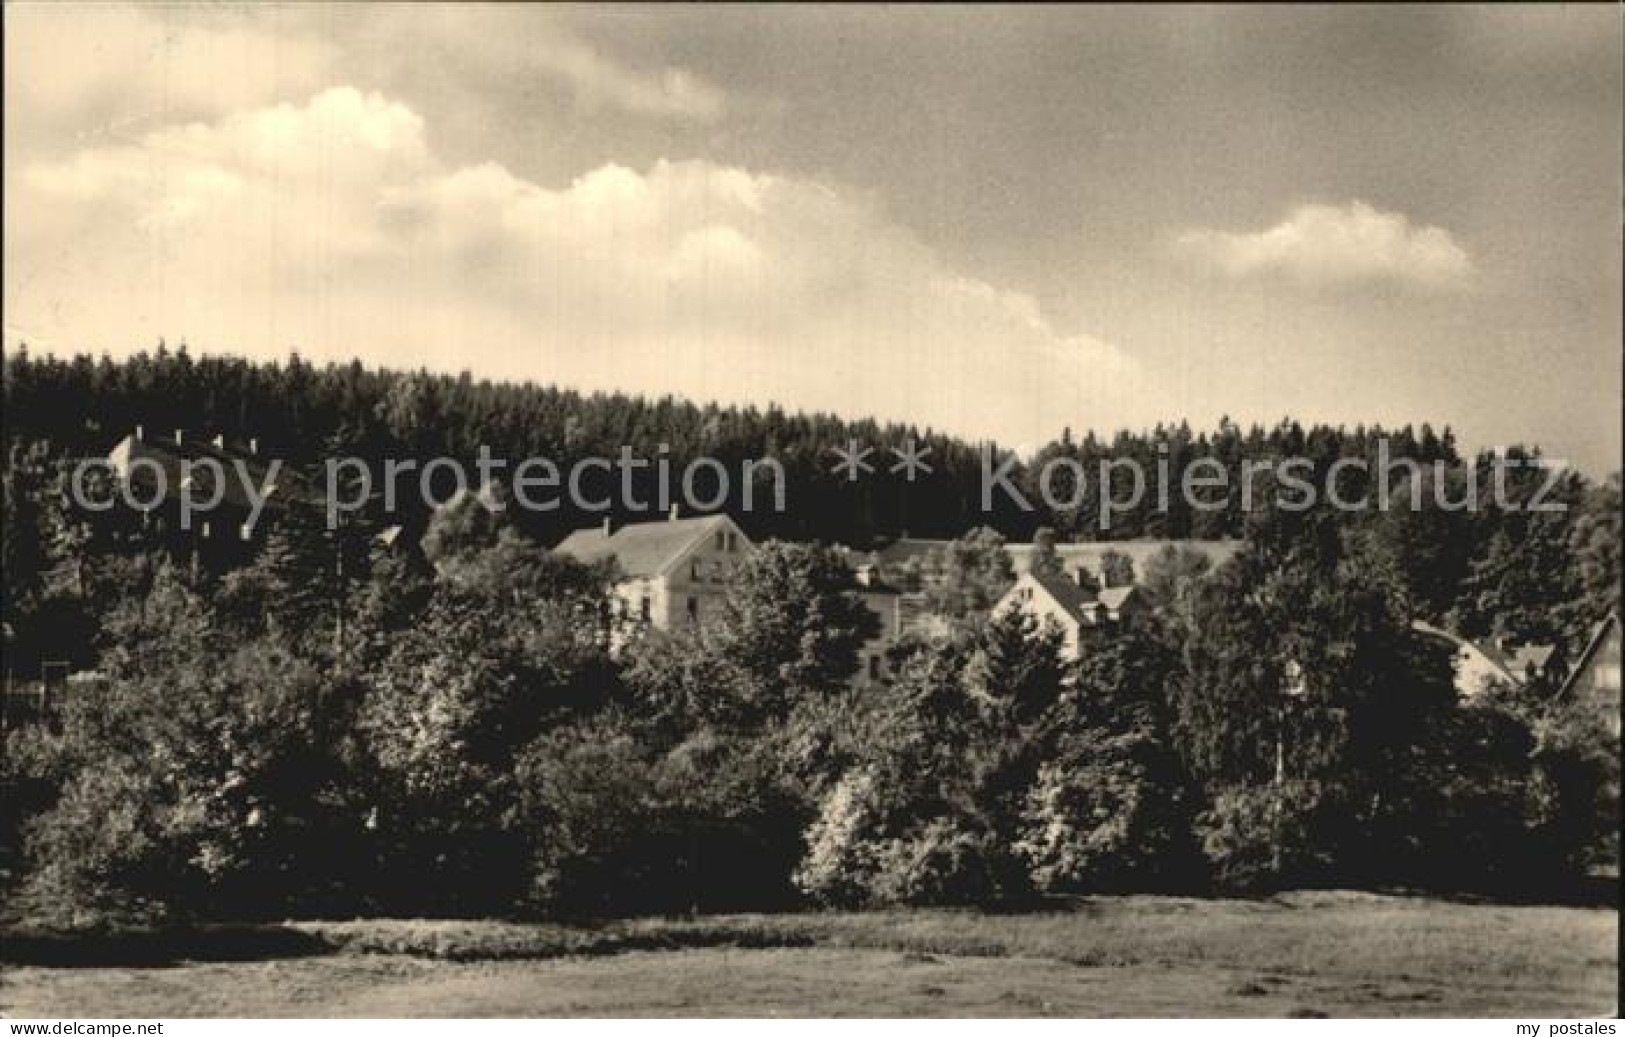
(1598, 637)
(1073, 599)
(169, 456)
(645, 548)
(1499, 661)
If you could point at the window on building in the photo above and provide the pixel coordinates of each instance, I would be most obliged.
(874, 667)
(694, 570)
(722, 540)
(1608, 676)
(693, 610)
(643, 608)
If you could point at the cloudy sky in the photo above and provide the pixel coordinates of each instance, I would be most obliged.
(999, 222)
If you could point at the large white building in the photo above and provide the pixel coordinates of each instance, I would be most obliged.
(671, 572)
(675, 573)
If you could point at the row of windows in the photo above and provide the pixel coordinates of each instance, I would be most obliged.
(646, 610)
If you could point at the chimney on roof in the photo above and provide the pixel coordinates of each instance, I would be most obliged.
(609, 525)
(180, 437)
(220, 442)
(673, 516)
(140, 433)
(254, 445)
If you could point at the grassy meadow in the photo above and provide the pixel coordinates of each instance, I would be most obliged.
(1306, 954)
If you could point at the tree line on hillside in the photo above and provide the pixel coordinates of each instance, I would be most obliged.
(302, 412)
(1536, 577)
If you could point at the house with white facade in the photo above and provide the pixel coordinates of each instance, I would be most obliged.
(1480, 666)
(669, 573)
(675, 573)
(1071, 605)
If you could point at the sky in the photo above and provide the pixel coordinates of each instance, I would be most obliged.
(998, 222)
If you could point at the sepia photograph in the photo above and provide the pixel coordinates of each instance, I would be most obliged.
(811, 511)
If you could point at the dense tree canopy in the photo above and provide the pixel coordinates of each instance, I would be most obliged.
(337, 720)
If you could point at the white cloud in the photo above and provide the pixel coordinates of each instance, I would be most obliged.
(597, 80)
(1326, 245)
(529, 46)
(89, 74)
(333, 227)
(111, 70)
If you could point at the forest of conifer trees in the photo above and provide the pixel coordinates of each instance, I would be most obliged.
(274, 734)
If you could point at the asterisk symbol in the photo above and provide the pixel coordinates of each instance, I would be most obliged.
(852, 459)
(911, 459)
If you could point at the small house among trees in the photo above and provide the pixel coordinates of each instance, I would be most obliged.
(1070, 605)
(1481, 665)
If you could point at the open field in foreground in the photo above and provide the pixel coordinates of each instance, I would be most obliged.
(1338, 954)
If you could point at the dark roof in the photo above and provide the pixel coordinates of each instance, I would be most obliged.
(291, 487)
(642, 549)
(1074, 599)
